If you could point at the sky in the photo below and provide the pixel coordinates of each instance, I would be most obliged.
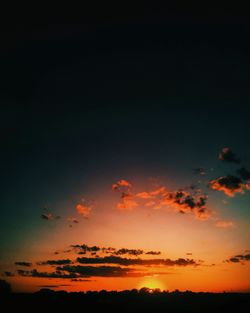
(125, 159)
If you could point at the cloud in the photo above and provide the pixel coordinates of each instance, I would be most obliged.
(81, 280)
(134, 252)
(153, 252)
(99, 271)
(224, 224)
(23, 264)
(49, 217)
(228, 184)
(56, 274)
(84, 210)
(102, 271)
(85, 248)
(53, 286)
(199, 171)
(55, 262)
(72, 220)
(121, 184)
(226, 155)
(128, 202)
(244, 173)
(238, 258)
(180, 200)
(8, 274)
(142, 262)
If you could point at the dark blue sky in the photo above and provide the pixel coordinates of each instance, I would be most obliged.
(115, 100)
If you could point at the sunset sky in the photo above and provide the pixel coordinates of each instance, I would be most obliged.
(125, 156)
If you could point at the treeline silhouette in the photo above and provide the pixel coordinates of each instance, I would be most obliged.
(143, 300)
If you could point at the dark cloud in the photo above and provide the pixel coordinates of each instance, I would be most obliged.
(55, 262)
(8, 274)
(143, 262)
(238, 258)
(234, 260)
(83, 249)
(228, 184)
(129, 251)
(56, 274)
(153, 252)
(81, 280)
(100, 271)
(28, 264)
(53, 286)
(226, 155)
(199, 171)
(244, 173)
(49, 216)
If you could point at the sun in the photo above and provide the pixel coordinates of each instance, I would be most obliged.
(152, 283)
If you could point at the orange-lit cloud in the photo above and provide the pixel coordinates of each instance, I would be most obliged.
(224, 224)
(83, 209)
(121, 183)
(228, 184)
(181, 201)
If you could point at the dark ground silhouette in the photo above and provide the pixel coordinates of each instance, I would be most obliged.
(47, 300)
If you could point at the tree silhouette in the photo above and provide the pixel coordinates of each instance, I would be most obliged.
(5, 288)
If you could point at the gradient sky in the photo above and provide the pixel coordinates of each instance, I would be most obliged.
(102, 126)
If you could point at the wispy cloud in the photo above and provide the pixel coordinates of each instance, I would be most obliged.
(224, 224)
(55, 262)
(226, 155)
(22, 263)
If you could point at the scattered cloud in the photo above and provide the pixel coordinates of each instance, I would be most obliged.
(121, 184)
(143, 262)
(153, 252)
(181, 201)
(56, 274)
(244, 173)
(128, 202)
(228, 184)
(83, 249)
(49, 217)
(226, 155)
(53, 286)
(199, 171)
(101, 271)
(81, 280)
(28, 264)
(239, 258)
(72, 220)
(55, 262)
(224, 224)
(84, 210)
(8, 274)
(134, 252)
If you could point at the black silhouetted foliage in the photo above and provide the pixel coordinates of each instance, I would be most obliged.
(143, 300)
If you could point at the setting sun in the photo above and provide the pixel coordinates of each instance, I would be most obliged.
(152, 283)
